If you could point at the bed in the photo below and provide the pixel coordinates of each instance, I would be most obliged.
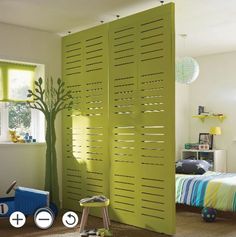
(211, 189)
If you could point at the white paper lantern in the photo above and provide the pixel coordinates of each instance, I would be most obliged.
(187, 70)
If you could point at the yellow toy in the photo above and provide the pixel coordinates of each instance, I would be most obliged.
(16, 138)
(103, 232)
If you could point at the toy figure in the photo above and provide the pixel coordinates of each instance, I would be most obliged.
(16, 138)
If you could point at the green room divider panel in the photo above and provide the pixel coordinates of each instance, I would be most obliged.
(85, 127)
(142, 120)
(119, 137)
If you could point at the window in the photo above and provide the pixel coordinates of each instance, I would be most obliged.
(19, 82)
(19, 118)
(15, 114)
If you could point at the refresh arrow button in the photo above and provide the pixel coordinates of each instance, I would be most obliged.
(70, 219)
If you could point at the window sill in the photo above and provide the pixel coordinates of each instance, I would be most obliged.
(22, 144)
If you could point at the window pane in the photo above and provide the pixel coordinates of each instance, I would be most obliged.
(20, 81)
(19, 116)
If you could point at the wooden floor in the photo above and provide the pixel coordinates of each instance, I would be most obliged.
(188, 224)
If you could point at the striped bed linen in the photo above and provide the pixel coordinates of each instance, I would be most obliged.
(212, 189)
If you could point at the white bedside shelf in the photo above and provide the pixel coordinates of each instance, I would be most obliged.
(216, 157)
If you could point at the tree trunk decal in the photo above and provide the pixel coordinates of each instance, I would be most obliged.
(50, 101)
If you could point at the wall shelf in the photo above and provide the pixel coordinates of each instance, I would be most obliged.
(203, 117)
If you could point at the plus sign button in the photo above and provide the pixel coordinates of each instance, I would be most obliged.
(17, 219)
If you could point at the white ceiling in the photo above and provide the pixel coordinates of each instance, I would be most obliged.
(209, 24)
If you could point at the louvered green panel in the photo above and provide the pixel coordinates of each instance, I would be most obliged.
(142, 119)
(85, 127)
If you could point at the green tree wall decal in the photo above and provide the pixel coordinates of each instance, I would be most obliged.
(50, 101)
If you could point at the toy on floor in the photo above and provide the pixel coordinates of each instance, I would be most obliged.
(208, 214)
(103, 232)
(96, 233)
(27, 200)
(87, 233)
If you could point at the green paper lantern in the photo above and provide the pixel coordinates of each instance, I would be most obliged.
(187, 70)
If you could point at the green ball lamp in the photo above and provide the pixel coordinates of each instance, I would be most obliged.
(187, 70)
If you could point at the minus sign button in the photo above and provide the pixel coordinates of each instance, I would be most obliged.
(43, 218)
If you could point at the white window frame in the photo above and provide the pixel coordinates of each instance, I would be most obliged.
(37, 118)
(37, 123)
(4, 135)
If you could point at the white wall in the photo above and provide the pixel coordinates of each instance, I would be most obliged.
(22, 44)
(216, 90)
(23, 163)
(182, 121)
